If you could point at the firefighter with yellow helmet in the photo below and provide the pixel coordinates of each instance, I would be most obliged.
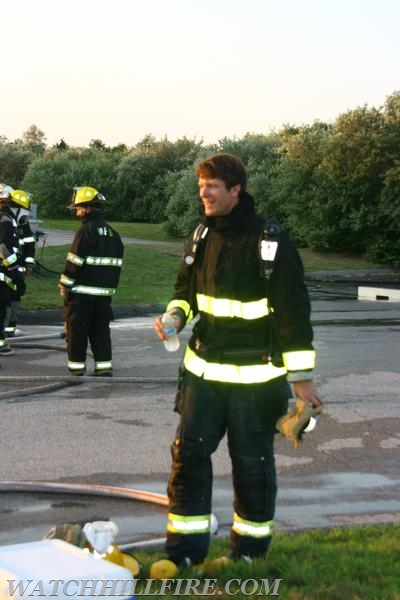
(21, 203)
(88, 282)
(11, 274)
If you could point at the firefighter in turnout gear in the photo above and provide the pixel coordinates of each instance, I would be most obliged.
(11, 274)
(21, 201)
(252, 341)
(88, 282)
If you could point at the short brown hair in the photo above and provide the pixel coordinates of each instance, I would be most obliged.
(227, 167)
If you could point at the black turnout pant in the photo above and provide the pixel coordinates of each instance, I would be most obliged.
(247, 413)
(88, 319)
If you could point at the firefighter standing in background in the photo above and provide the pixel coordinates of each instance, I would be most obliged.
(27, 243)
(250, 340)
(89, 280)
(11, 276)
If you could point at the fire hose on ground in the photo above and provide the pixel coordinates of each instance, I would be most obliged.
(57, 382)
(97, 490)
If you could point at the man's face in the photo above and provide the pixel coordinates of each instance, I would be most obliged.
(80, 212)
(216, 198)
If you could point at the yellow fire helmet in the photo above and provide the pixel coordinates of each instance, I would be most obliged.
(21, 198)
(5, 191)
(86, 195)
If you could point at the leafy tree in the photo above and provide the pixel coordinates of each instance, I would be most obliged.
(51, 179)
(13, 164)
(62, 145)
(142, 192)
(51, 183)
(34, 140)
(330, 178)
(385, 244)
(184, 210)
(97, 144)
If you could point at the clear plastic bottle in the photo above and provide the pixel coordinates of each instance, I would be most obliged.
(172, 343)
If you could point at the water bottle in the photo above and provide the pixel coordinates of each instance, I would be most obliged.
(172, 343)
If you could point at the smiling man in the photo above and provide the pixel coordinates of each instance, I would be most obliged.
(218, 201)
(243, 278)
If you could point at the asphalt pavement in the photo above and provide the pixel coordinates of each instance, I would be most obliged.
(117, 432)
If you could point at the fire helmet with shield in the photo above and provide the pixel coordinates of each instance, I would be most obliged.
(5, 191)
(21, 198)
(83, 196)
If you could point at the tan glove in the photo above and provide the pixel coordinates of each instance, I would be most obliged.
(70, 532)
(293, 424)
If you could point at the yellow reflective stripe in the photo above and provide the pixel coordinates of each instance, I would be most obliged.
(76, 366)
(104, 261)
(299, 360)
(76, 260)
(30, 260)
(66, 280)
(230, 373)
(223, 307)
(183, 305)
(92, 291)
(8, 281)
(252, 528)
(105, 364)
(187, 525)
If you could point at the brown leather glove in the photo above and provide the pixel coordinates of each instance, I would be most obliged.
(293, 424)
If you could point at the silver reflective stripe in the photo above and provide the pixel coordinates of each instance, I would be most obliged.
(268, 250)
(104, 261)
(92, 291)
(10, 260)
(76, 260)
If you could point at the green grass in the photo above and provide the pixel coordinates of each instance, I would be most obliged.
(148, 274)
(143, 231)
(333, 261)
(147, 277)
(338, 564)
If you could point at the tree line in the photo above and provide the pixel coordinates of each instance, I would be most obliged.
(333, 186)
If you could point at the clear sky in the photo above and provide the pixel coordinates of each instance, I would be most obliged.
(117, 70)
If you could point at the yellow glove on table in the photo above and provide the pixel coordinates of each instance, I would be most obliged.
(292, 424)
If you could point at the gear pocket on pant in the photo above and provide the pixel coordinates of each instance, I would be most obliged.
(179, 397)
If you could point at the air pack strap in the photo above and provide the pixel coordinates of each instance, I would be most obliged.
(267, 246)
(190, 252)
